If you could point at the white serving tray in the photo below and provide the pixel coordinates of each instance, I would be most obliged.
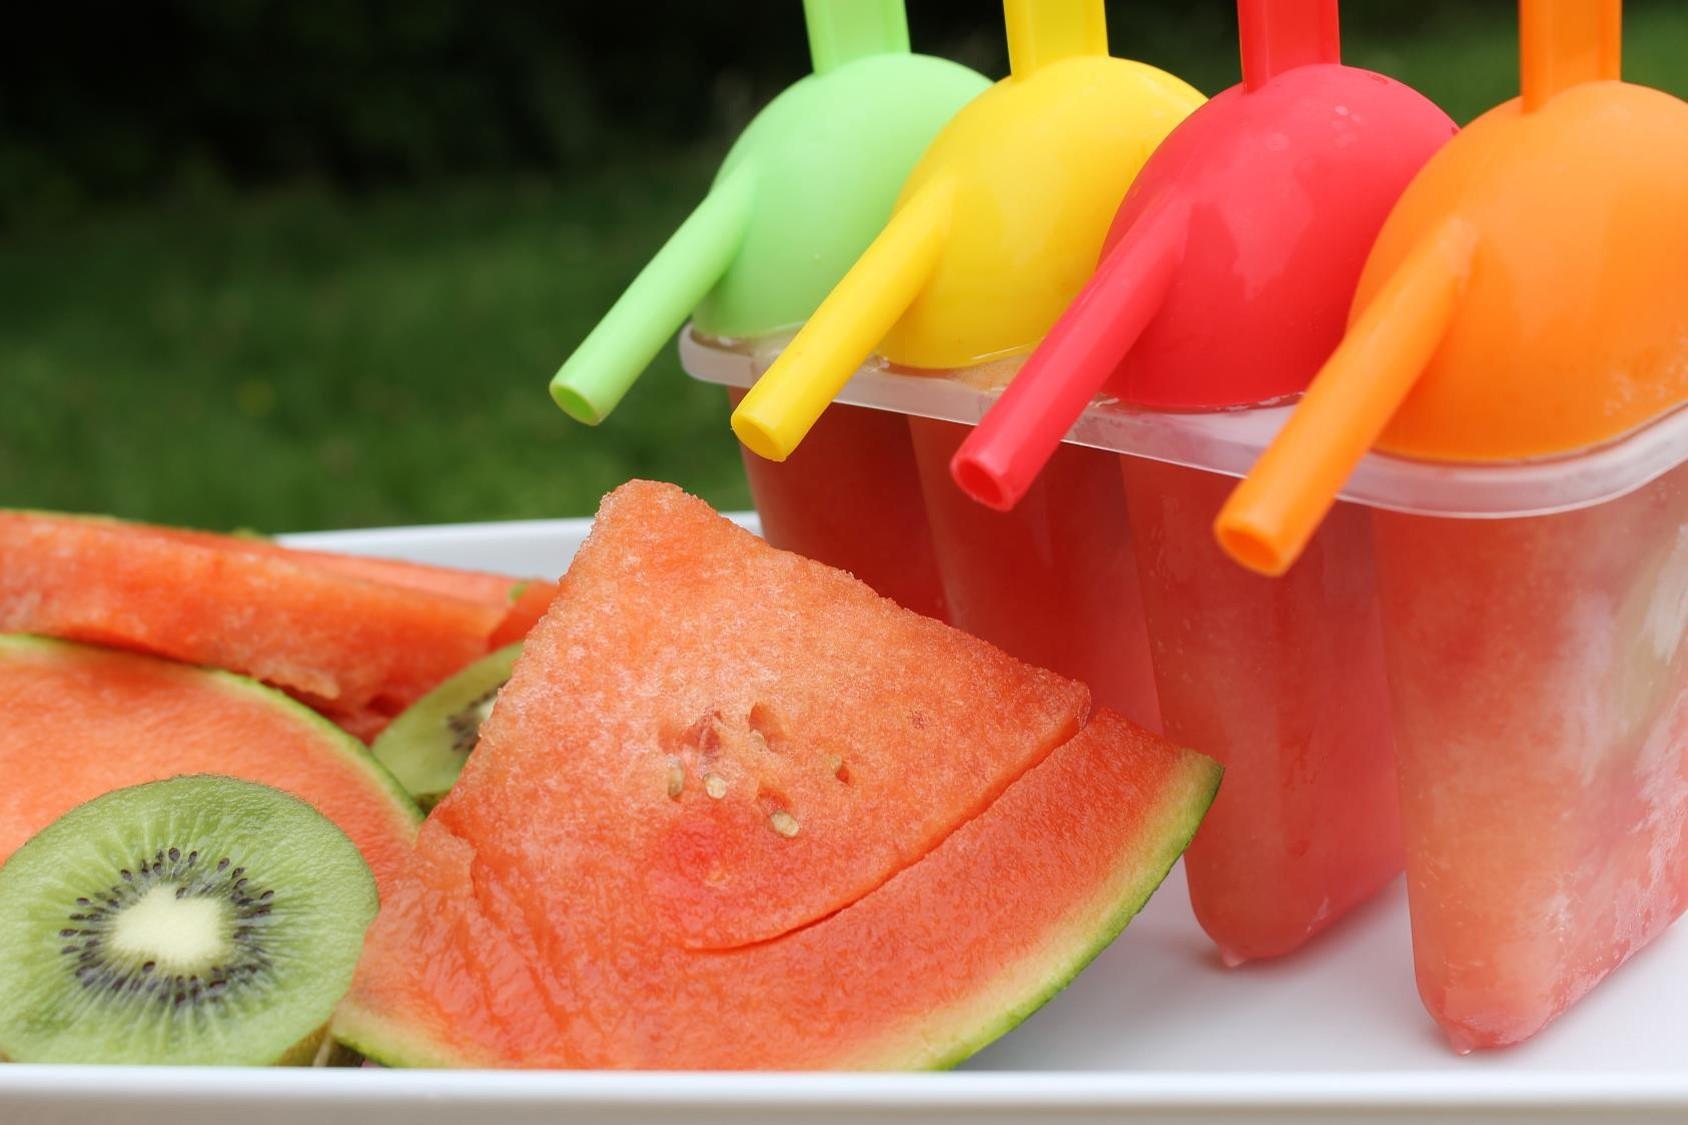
(1155, 1030)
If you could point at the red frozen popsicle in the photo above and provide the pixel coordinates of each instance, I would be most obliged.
(1225, 282)
(1054, 581)
(1525, 308)
(850, 498)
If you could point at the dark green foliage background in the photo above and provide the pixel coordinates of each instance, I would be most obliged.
(290, 265)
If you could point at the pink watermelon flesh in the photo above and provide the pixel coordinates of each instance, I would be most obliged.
(779, 758)
(956, 872)
(470, 964)
(346, 643)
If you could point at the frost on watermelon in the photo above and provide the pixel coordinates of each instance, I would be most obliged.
(358, 639)
(735, 810)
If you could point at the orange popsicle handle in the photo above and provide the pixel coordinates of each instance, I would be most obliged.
(1564, 42)
(1268, 520)
(1279, 35)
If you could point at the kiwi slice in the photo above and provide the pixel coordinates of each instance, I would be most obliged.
(200, 920)
(426, 746)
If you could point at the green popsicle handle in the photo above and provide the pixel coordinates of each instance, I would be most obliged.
(593, 380)
(842, 31)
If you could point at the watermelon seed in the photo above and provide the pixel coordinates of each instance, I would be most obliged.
(765, 723)
(784, 823)
(676, 778)
(715, 785)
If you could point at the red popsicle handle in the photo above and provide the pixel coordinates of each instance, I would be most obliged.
(1279, 35)
(1001, 458)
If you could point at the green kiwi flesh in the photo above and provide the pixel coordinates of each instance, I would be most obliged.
(426, 746)
(198, 921)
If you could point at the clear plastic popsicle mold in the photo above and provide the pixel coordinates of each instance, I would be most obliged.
(1538, 673)
(851, 498)
(1229, 442)
(1538, 690)
(1525, 311)
(1283, 682)
(1256, 213)
(1053, 582)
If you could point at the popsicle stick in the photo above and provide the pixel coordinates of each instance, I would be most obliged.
(842, 31)
(1565, 42)
(1279, 35)
(612, 357)
(1000, 459)
(1268, 520)
(790, 396)
(1041, 32)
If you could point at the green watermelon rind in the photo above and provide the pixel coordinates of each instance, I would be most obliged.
(1182, 815)
(385, 1042)
(1180, 811)
(335, 739)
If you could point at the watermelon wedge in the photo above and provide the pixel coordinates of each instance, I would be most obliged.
(683, 639)
(735, 810)
(359, 639)
(83, 721)
(522, 600)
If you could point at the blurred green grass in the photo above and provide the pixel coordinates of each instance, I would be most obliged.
(303, 360)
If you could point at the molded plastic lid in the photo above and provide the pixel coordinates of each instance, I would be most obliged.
(803, 191)
(1528, 297)
(1233, 259)
(998, 226)
(1229, 442)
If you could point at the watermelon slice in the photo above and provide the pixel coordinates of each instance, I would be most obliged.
(755, 687)
(83, 721)
(522, 600)
(735, 810)
(527, 600)
(359, 639)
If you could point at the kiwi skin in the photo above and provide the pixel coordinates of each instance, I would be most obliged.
(315, 1049)
(324, 899)
(426, 746)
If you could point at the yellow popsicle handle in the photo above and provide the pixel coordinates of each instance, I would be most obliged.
(1268, 520)
(1564, 42)
(789, 397)
(1041, 32)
